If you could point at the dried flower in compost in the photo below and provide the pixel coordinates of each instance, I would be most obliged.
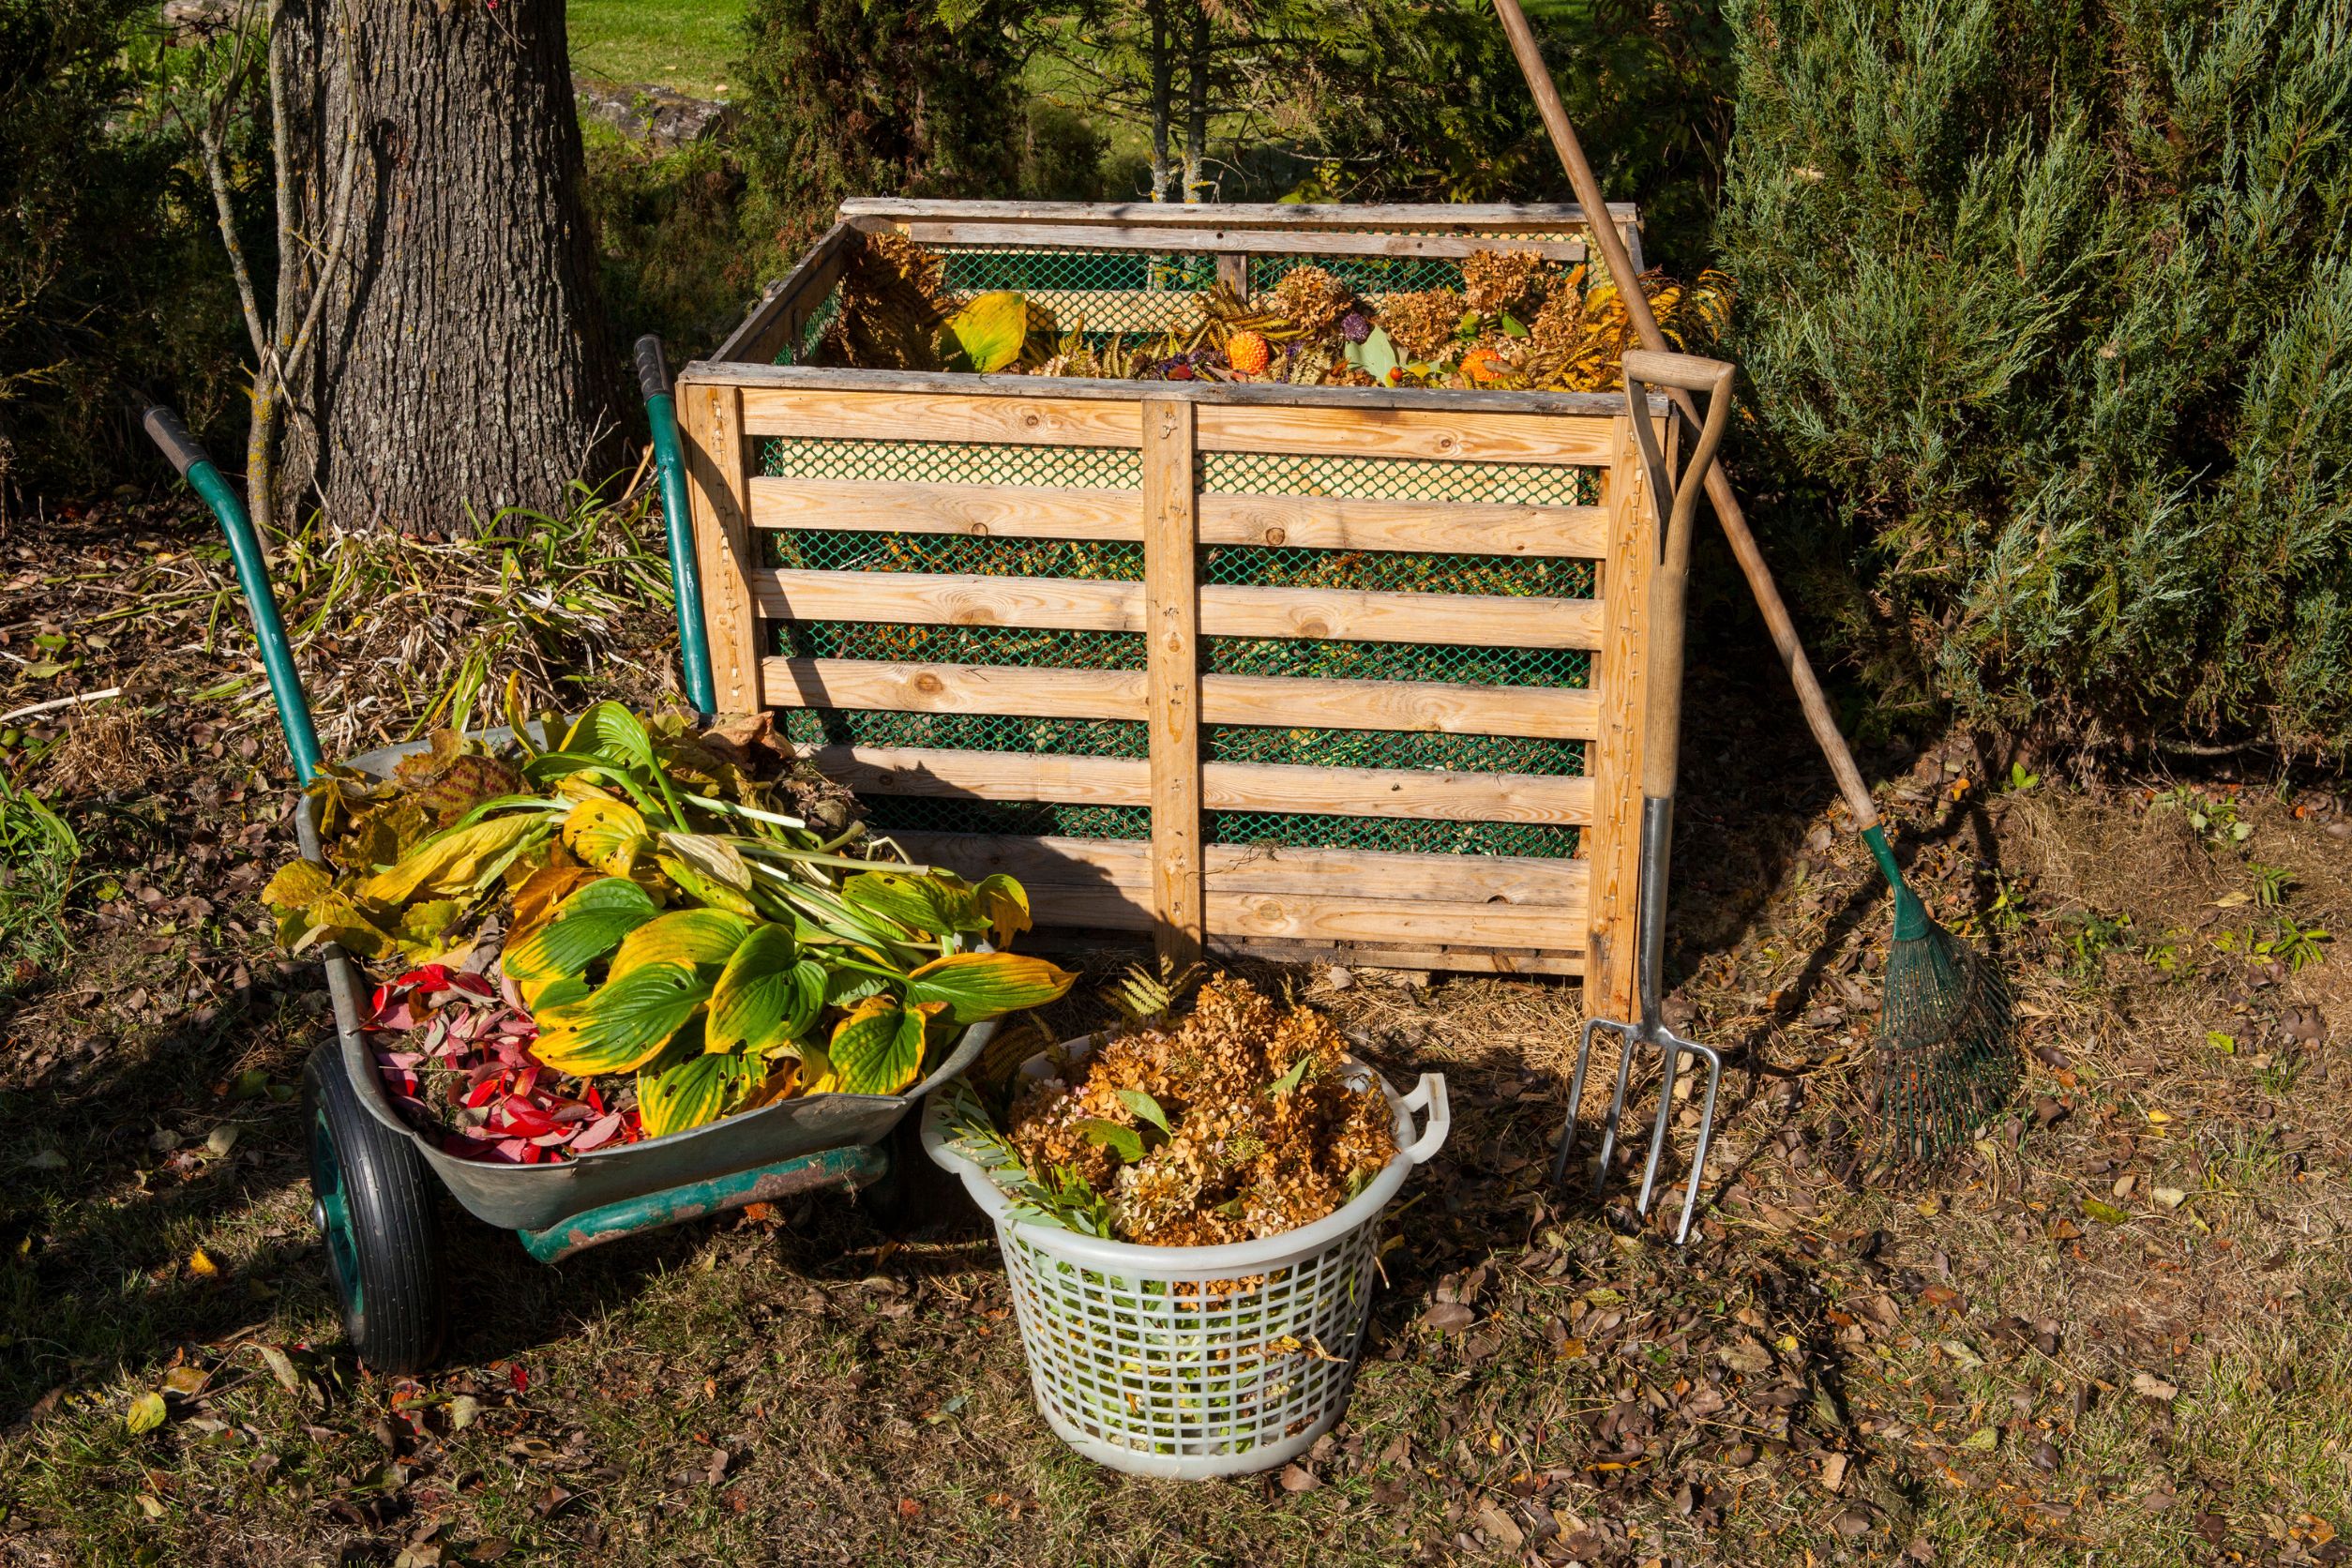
(1494, 282)
(1422, 323)
(1312, 300)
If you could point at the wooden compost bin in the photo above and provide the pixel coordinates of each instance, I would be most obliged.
(1299, 672)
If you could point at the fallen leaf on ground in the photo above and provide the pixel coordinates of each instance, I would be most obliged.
(200, 1263)
(2171, 1197)
(2150, 1386)
(1448, 1318)
(1298, 1478)
(145, 1413)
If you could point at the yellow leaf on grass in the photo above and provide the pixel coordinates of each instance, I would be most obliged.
(145, 1413)
(200, 1264)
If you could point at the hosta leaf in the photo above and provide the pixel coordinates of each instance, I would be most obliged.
(335, 918)
(537, 899)
(988, 333)
(878, 1050)
(936, 903)
(982, 986)
(714, 857)
(609, 730)
(586, 925)
(702, 940)
(457, 864)
(1125, 1143)
(693, 1092)
(609, 835)
(701, 890)
(766, 995)
(298, 884)
(1004, 904)
(623, 1023)
(845, 986)
(422, 926)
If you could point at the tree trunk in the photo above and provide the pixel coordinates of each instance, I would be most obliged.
(1163, 93)
(1196, 107)
(460, 363)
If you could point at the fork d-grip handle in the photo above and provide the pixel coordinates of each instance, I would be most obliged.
(653, 367)
(1670, 580)
(252, 568)
(1735, 523)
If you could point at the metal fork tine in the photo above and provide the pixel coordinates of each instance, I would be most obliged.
(1626, 1038)
(1669, 1057)
(1706, 1133)
(1575, 1102)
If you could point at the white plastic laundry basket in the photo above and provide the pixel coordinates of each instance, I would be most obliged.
(1196, 1362)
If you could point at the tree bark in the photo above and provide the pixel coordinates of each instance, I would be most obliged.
(460, 363)
(1196, 107)
(1163, 92)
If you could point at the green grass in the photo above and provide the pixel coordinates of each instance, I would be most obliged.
(37, 852)
(688, 44)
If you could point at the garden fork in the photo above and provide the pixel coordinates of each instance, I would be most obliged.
(1661, 742)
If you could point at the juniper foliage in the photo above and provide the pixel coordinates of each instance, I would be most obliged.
(2048, 306)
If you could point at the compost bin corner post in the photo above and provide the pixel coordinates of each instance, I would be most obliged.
(1171, 540)
(1624, 590)
(717, 459)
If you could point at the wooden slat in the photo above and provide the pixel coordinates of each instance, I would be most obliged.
(849, 683)
(1529, 438)
(1449, 401)
(1045, 863)
(1016, 511)
(1031, 421)
(1361, 955)
(1302, 522)
(783, 312)
(1301, 243)
(711, 436)
(1242, 917)
(1172, 556)
(1615, 760)
(1423, 794)
(1494, 216)
(1541, 713)
(1350, 615)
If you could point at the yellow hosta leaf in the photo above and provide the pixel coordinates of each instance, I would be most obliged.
(989, 984)
(588, 924)
(714, 858)
(878, 1050)
(990, 331)
(691, 1094)
(454, 864)
(767, 994)
(609, 835)
(536, 899)
(701, 890)
(1005, 904)
(701, 939)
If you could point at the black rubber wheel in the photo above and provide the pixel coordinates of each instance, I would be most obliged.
(916, 1195)
(373, 1201)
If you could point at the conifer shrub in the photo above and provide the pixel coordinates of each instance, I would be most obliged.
(2047, 311)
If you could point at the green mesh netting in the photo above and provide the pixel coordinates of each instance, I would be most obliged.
(1532, 484)
(1219, 743)
(1366, 275)
(952, 462)
(1275, 829)
(1117, 561)
(1287, 656)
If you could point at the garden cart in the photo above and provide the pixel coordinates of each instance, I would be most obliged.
(372, 1174)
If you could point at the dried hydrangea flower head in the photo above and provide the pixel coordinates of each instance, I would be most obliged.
(1422, 323)
(1312, 300)
(1498, 281)
(1266, 1132)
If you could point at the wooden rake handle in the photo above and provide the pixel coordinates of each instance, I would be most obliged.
(1662, 733)
(1735, 523)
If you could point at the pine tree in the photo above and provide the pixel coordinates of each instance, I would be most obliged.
(2048, 314)
(878, 97)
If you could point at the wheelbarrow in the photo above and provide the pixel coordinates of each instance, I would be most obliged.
(372, 1174)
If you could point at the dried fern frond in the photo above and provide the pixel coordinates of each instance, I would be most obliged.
(1146, 997)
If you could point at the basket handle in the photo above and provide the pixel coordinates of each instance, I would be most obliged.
(1430, 1095)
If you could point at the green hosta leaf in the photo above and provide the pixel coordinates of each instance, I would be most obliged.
(700, 1089)
(1512, 326)
(878, 1050)
(586, 925)
(714, 858)
(623, 1023)
(989, 333)
(1125, 1143)
(1145, 1108)
(702, 940)
(701, 890)
(609, 835)
(989, 984)
(458, 863)
(609, 730)
(937, 903)
(847, 986)
(767, 994)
